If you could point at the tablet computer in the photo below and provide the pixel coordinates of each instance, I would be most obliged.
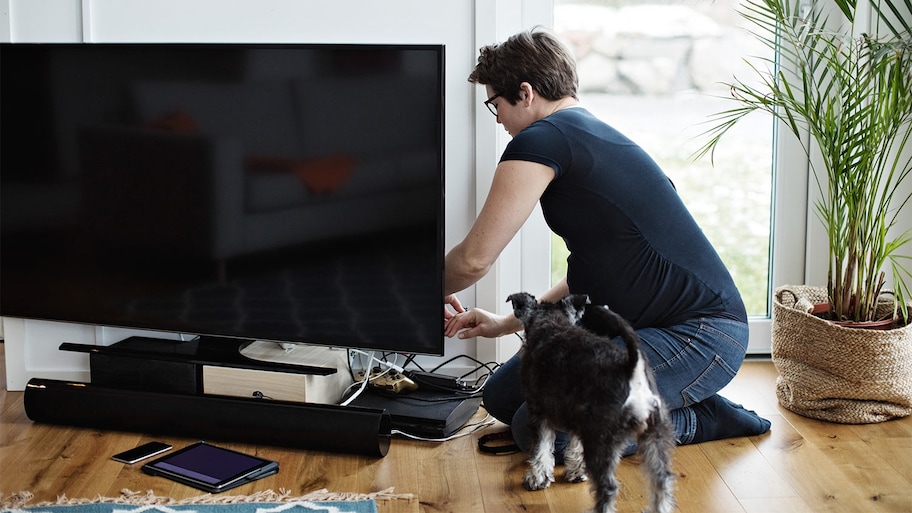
(210, 468)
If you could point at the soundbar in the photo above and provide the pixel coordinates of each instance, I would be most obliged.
(321, 427)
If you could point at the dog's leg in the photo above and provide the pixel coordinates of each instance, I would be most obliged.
(541, 465)
(575, 470)
(655, 447)
(602, 455)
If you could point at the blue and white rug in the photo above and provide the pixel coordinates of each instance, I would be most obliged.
(263, 507)
(268, 501)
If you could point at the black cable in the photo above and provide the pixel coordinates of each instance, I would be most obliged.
(478, 362)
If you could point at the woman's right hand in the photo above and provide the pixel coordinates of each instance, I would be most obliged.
(479, 323)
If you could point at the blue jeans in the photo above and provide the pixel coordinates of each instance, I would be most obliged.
(691, 362)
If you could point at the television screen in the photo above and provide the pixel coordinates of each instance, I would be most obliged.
(262, 192)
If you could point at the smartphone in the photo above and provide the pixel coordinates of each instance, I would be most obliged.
(142, 452)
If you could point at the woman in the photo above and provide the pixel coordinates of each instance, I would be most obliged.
(633, 245)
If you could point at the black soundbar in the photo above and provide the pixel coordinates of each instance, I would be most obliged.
(320, 427)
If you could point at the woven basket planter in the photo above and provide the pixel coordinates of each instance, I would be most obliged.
(838, 374)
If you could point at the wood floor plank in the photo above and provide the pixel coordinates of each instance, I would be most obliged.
(40, 464)
(397, 472)
(82, 459)
(564, 496)
(15, 427)
(323, 470)
(449, 481)
(634, 487)
(828, 474)
(501, 482)
(822, 433)
(700, 488)
(872, 485)
(745, 471)
(895, 451)
(754, 387)
(775, 505)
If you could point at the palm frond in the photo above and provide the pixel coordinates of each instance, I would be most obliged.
(851, 91)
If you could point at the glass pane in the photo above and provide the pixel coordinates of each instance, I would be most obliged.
(653, 71)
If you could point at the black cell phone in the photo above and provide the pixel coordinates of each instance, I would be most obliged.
(142, 452)
(210, 468)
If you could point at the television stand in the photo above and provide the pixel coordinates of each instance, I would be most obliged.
(163, 386)
(215, 366)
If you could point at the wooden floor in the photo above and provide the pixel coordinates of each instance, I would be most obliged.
(800, 466)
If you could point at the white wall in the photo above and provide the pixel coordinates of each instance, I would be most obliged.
(462, 25)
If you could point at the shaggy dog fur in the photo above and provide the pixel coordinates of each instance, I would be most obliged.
(576, 379)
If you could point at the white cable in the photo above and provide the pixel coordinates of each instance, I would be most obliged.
(379, 361)
(356, 394)
(363, 382)
(487, 421)
(369, 376)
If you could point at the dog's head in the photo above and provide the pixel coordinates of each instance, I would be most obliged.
(527, 309)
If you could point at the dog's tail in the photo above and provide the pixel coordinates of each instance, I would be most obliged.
(603, 321)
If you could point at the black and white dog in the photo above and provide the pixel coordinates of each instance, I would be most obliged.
(577, 380)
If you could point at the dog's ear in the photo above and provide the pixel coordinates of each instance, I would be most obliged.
(574, 306)
(523, 303)
(579, 300)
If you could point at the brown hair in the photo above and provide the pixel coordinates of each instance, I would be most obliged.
(534, 56)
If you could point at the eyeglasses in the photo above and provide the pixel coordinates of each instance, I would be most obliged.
(491, 107)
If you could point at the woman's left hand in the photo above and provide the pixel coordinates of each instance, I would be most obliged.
(480, 323)
(453, 302)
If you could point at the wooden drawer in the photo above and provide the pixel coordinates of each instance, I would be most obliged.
(279, 386)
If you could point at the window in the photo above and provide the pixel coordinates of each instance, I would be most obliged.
(653, 71)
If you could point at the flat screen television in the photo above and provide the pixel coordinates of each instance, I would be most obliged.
(281, 192)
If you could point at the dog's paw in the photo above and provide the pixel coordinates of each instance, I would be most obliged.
(537, 481)
(576, 475)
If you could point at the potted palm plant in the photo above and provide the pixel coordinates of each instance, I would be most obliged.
(842, 85)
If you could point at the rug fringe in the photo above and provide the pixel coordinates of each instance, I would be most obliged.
(16, 500)
(20, 499)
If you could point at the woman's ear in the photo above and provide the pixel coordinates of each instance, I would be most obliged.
(526, 93)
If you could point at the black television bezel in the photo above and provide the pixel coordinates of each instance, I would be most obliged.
(210, 336)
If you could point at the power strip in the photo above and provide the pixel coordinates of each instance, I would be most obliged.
(436, 381)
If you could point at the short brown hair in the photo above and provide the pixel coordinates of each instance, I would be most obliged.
(535, 56)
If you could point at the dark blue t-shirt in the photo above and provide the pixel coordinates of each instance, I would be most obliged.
(633, 244)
